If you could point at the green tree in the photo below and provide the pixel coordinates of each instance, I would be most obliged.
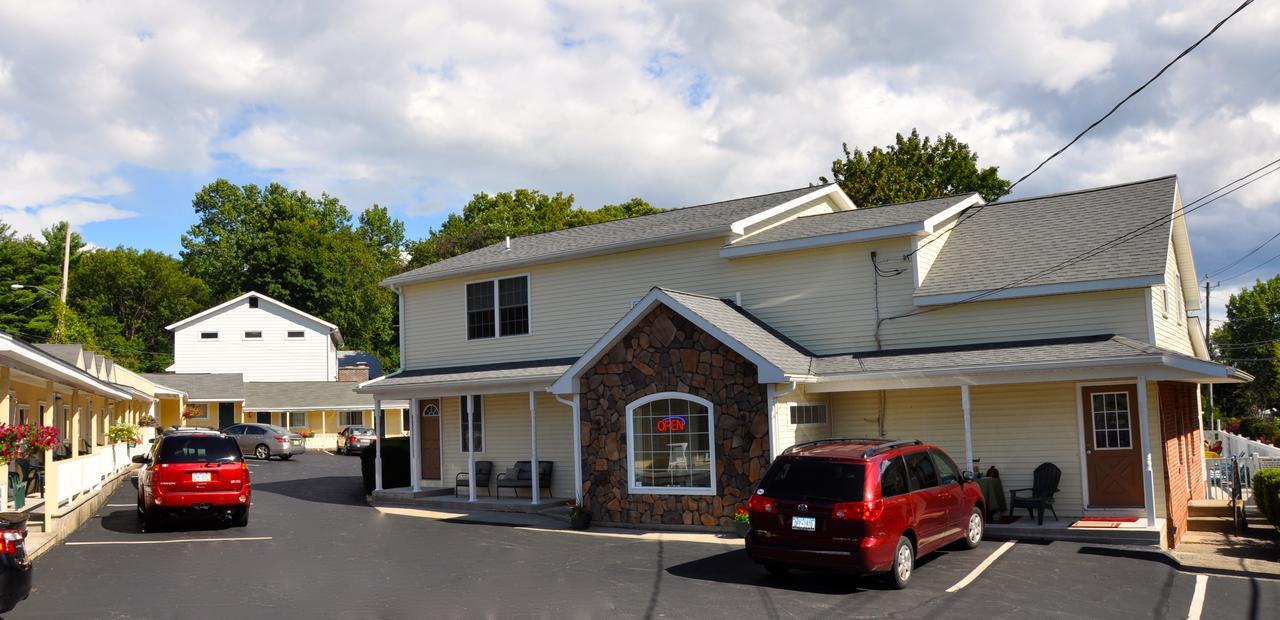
(35, 261)
(488, 218)
(1248, 341)
(913, 168)
(127, 297)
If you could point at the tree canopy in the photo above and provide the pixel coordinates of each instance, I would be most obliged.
(1248, 341)
(913, 168)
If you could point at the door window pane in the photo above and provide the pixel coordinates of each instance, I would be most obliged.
(1111, 421)
(923, 474)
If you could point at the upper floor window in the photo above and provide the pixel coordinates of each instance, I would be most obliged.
(208, 335)
(253, 302)
(498, 308)
(297, 334)
(255, 335)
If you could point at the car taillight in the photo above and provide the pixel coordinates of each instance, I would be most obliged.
(9, 540)
(352, 439)
(760, 503)
(282, 439)
(857, 511)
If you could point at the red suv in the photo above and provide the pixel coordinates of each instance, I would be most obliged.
(194, 473)
(862, 506)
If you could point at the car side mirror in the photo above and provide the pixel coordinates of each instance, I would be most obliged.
(141, 459)
(967, 476)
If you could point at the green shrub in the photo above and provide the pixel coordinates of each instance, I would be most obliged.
(395, 463)
(1266, 494)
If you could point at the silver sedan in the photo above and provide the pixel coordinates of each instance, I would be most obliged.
(264, 441)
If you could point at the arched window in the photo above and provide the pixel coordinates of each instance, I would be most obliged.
(670, 447)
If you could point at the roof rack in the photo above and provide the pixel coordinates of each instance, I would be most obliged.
(870, 452)
(818, 442)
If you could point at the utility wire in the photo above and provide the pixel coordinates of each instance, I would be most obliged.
(1253, 268)
(1246, 255)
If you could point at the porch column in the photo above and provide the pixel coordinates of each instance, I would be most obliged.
(1204, 465)
(577, 449)
(533, 442)
(968, 429)
(1148, 473)
(468, 405)
(73, 424)
(377, 458)
(415, 445)
(6, 409)
(50, 492)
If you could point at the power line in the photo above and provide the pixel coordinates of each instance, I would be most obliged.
(1246, 255)
(1252, 269)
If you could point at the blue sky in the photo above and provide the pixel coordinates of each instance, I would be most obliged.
(115, 115)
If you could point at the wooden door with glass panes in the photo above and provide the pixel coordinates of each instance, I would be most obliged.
(1112, 445)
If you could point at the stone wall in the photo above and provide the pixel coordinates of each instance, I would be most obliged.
(664, 352)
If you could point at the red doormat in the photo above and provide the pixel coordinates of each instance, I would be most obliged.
(1110, 519)
(1005, 520)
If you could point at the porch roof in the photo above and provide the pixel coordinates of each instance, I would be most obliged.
(203, 387)
(460, 377)
(304, 396)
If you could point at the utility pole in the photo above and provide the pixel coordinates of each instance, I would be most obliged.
(66, 275)
(1208, 331)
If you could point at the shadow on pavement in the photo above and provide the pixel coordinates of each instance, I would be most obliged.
(344, 490)
(736, 568)
(127, 522)
(1158, 557)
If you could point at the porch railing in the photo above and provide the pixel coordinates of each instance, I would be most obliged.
(86, 473)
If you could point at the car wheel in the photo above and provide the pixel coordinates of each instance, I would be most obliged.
(285, 457)
(340, 450)
(974, 530)
(776, 569)
(240, 517)
(904, 563)
(150, 519)
(262, 452)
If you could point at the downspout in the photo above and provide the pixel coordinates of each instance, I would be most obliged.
(577, 446)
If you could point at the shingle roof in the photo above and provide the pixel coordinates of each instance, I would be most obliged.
(853, 221)
(705, 219)
(312, 395)
(203, 386)
(533, 369)
(1003, 242)
(753, 333)
(1097, 347)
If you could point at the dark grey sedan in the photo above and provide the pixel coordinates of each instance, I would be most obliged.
(264, 441)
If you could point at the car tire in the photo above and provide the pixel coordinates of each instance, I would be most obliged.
(262, 452)
(776, 569)
(240, 517)
(904, 564)
(285, 457)
(974, 529)
(151, 519)
(339, 450)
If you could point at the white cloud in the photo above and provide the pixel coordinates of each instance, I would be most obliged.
(32, 221)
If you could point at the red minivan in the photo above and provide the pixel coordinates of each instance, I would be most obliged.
(861, 506)
(193, 473)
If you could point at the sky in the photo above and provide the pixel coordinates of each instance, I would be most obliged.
(114, 115)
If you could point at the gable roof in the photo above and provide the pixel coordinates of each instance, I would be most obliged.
(24, 356)
(1003, 242)
(777, 359)
(304, 396)
(685, 224)
(334, 332)
(918, 217)
(216, 387)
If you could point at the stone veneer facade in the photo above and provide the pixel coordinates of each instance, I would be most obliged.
(664, 352)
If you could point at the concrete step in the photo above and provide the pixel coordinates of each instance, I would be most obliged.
(1211, 524)
(1209, 508)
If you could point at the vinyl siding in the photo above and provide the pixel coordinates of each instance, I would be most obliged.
(506, 439)
(928, 248)
(786, 434)
(273, 358)
(821, 298)
(1171, 324)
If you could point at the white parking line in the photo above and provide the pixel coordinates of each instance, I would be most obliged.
(121, 505)
(973, 574)
(328, 452)
(1197, 599)
(165, 542)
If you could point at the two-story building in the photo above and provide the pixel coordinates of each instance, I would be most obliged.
(257, 359)
(662, 361)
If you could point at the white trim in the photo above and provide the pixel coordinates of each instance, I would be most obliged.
(333, 329)
(415, 445)
(400, 333)
(931, 223)
(497, 309)
(1148, 473)
(1086, 286)
(533, 446)
(740, 227)
(805, 243)
(966, 406)
(1150, 313)
(631, 457)
(1084, 460)
(565, 384)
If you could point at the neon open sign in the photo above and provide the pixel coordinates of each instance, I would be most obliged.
(671, 424)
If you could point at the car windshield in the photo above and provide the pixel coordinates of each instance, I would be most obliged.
(812, 480)
(198, 449)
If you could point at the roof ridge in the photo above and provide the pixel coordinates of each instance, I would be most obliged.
(1081, 191)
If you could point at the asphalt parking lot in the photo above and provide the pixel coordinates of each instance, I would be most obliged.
(314, 548)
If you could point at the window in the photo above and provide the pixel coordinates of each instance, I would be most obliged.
(803, 479)
(923, 474)
(297, 419)
(202, 411)
(253, 302)
(476, 413)
(351, 418)
(234, 430)
(193, 448)
(893, 477)
(1111, 429)
(809, 414)
(208, 335)
(253, 335)
(948, 473)
(498, 308)
(22, 414)
(297, 334)
(671, 444)
(262, 417)
(258, 430)
(405, 420)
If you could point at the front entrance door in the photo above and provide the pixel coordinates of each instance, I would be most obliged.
(430, 428)
(226, 414)
(1113, 446)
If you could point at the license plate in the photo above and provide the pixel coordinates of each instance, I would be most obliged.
(807, 524)
(296, 442)
(201, 476)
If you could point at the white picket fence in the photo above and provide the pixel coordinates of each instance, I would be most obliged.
(1218, 475)
(86, 473)
(1235, 445)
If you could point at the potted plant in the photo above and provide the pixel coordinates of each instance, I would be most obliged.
(579, 516)
(147, 420)
(36, 438)
(741, 522)
(124, 433)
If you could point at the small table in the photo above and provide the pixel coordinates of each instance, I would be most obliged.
(993, 495)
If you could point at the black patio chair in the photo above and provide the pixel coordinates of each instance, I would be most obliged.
(31, 473)
(484, 471)
(1044, 483)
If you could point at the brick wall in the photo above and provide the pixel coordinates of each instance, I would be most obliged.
(1180, 436)
(359, 372)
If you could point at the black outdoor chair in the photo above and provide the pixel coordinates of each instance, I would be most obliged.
(520, 476)
(32, 473)
(1044, 483)
(484, 471)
